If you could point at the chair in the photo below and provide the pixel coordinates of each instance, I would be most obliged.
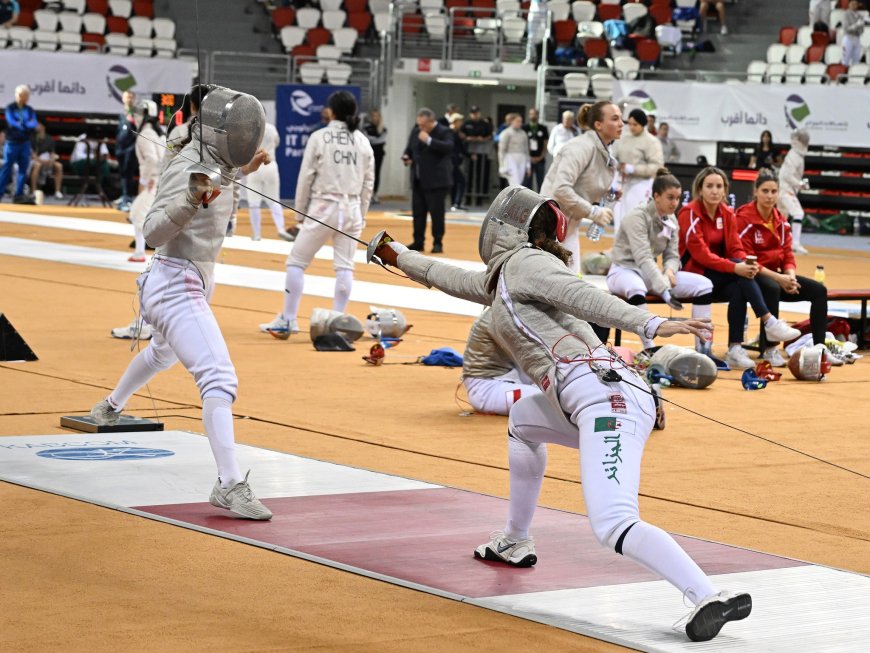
(333, 19)
(755, 71)
(122, 8)
(94, 23)
(140, 26)
(857, 75)
(98, 7)
(815, 73)
(560, 9)
(431, 6)
(383, 22)
(77, 6)
(117, 44)
(165, 47)
(356, 6)
(328, 53)
(143, 8)
(317, 36)
(787, 35)
(836, 71)
(311, 73)
(379, 6)
(436, 26)
(46, 20)
(795, 53)
(304, 51)
(330, 5)
(164, 28)
(820, 38)
(626, 67)
(507, 7)
(20, 37)
(633, 11)
(596, 64)
(308, 17)
(596, 48)
(513, 28)
(576, 84)
(361, 21)
(486, 29)
(661, 14)
(117, 25)
(70, 41)
(583, 10)
(413, 23)
(833, 54)
(670, 39)
(590, 29)
(564, 31)
(775, 72)
(45, 40)
(815, 53)
(291, 36)
(776, 53)
(345, 39)
(648, 52)
(805, 36)
(794, 73)
(70, 22)
(602, 86)
(337, 73)
(610, 2)
(141, 46)
(609, 12)
(283, 16)
(93, 42)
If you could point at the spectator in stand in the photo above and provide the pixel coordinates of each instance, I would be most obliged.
(820, 12)
(651, 125)
(764, 155)
(563, 132)
(640, 156)
(2, 145)
(90, 149)
(376, 132)
(764, 232)
(478, 138)
(514, 163)
(45, 159)
(704, 8)
(710, 245)
(452, 110)
(125, 151)
(669, 148)
(458, 159)
(792, 182)
(9, 11)
(429, 153)
(853, 27)
(538, 136)
(20, 125)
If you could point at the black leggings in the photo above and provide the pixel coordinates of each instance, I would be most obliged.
(737, 290)
(810, 291)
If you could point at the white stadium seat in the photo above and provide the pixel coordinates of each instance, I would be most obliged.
(602, 86)
(805, 36)
(70, 22)
(20, 37)
(330, 5)
(833, 54)
(755, 71)
(337, 73)
(345, 38)
(142, 46)
(560, 8)
(775, 72)
(816, 73)
(507, 7)
(328, 53)
(141, 26)
(626, 67)
(857, 75)
(70, 41)
(795, 53)
(633, 11)
(590, 29)
(46, 20)
(45, 40)
(776, 53)
(94, 23)
(164, 28)
(77, 6)
(513, 28)
(165, 47)
(311, 73)
(576, 84)
(122, 8)
(436, 26)
(333, 19)
(308, 17)
(291, 36)
(118, 44)
(431, 7)
(583, 10)
(794, 73)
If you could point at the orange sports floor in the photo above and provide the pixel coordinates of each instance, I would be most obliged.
(79, 577)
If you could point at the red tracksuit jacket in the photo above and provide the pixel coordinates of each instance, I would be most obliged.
(773, 248)
(708, 243)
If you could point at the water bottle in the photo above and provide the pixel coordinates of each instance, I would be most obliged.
(732, 201)
(856, 226)
(820, 274)
(594, 232)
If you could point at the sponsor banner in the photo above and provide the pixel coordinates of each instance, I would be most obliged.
(833, 115)
(88, 83)
(297, 115)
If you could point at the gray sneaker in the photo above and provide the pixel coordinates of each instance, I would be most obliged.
(280, 328)
(240, 500)
(500, 548)
(104, 415)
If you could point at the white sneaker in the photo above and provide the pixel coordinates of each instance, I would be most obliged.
(500, 548)
(239, 500)
(777, 330)
(137, 329)
(799, 249)
(58, 195)
(724, 30)
(836, 356)
(738, 358)
(104, 415)
(280, 328)
(708, 617)
(773, 356)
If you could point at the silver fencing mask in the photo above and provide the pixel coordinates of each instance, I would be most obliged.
(325, 321)
(386, 323)
(688, 368)
(513, 209)
(232, 125)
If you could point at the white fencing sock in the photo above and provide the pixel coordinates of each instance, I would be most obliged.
(294, 284)
(640, 302)
(139, 372)
(528, 462)
(343, 285)
(278, 216)
(797, 225)
(139, 239)
(217, 416)
(256, 220)
(702, 312)
(653, 548)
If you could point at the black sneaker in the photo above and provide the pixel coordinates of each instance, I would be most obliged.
(437, 249)
(708, 617)
(416, 247)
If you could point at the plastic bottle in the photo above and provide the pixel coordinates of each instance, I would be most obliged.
(856, 226)
(594, 232)
(820, 273)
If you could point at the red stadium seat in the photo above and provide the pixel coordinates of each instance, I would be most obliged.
(25, 19)
(835, 70)
(360, 21)
(283, 16)
(29, 5)
(596, 48)
(821, 38)
(317, 36)
(815, 53)
(464, 27)
(117, 25)
(648, 52)
(355, 6)
(609, 12)
(99, 6)
(303, 50)
(564, 31)
(456, 4)
(96, 39)
(661, 14)
(483, 4)
(787, 35)
(143, 8)
(412, 23)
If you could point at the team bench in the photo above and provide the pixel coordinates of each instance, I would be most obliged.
(836, 295)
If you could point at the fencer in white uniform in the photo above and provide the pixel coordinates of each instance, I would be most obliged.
(589, 399)
(265, 180)
(187, 223)
(647, 232)
(514, 162)
(491, 378)
(335, 185)
(791, 182)
(640, 155)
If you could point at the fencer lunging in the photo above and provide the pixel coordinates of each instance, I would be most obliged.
(589, 399)
(187, 224)
(335, 184)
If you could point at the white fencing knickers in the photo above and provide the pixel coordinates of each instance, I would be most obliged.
(266, 181)
(627, 283)
(635, 191)
(139, 210)
(515, 168)
(495, 396)
(610, 423)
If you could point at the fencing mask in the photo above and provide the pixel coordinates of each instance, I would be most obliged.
(809, 364)
(326, 322)
(144, 109)
(386, 323)
(232, 125)
(688, 368)
(514, 208)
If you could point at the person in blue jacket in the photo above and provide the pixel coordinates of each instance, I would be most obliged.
(20, 125)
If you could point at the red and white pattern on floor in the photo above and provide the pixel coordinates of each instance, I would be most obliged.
(421, 536)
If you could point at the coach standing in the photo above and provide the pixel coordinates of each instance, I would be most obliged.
(20, 125)
(429, 153)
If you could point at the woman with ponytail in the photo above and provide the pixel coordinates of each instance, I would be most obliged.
(335, 184)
